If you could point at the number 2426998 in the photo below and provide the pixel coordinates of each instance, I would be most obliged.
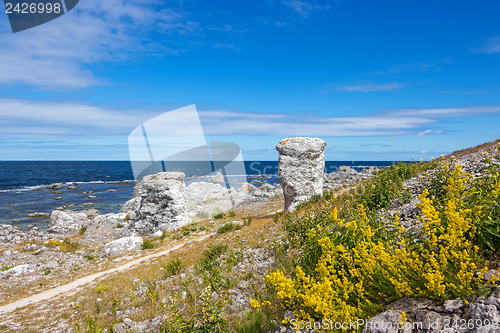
(33, 8)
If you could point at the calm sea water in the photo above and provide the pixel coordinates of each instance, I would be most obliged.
(25, 186)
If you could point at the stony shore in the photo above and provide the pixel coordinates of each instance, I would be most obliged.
(184, 221)
(80, 243)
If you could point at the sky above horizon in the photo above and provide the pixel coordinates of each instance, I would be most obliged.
(377, 80)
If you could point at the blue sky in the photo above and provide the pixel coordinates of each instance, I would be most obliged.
(377, 80)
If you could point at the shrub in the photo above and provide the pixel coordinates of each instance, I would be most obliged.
(206, 318)
(232, 213)
(351, 268)
(173, 267)
(101, 288)
(226, 228)
(209, 268)
(219, 216)
(147, 244)
(247, 221)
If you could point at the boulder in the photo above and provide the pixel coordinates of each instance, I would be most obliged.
(300, 169)
(38, 214)
(162, 203)
(217, 179)
(208, 198)
(10, 235)
(105, 228)
(120, 246)
(18, 271)
(246, 189)
(131, 206)
(70, 223)
(199, 192)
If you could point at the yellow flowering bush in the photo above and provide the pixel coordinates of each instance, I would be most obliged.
(353, 267)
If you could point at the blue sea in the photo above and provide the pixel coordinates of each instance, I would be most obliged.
(42, 186)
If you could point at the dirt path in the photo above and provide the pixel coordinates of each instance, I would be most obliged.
(74, 285)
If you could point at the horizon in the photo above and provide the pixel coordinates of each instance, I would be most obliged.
(378, 81)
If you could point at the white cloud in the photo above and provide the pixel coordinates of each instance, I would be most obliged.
(305, 8)
(492, 45)
(22, 118)
(370, 87)
(428, 132)
(55, 54)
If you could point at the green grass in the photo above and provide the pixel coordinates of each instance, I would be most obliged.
(226, 228)
(173, 267)
(147, 244)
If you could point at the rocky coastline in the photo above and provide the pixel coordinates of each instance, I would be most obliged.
(78, 243)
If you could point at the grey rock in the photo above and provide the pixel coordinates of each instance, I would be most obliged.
(105, 228)
(386, 322)
(17, 271)
(217, 179)
(10, 235)
(38, 214)
(300, 169)
(69, 223)
(162, 203)
(131, 206)
(120, 246)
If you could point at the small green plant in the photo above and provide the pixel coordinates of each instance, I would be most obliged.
(47, 272)
(209, 268)
(6, 268)
(127, 218)
(147, 244)
(226, 228)
(247, 221)
(232, 213)
(82, 230)
(207, 317)
(89, 257)
(276, 217)
(101, 288)
(219, 216)
(173, 267)
(152, 292)
(68, 246)
(119, 226)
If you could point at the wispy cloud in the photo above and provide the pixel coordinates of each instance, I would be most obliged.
(305, 8)
(412, 67)
(22, 118)
(428, 132)
(370, 87)
(492, 45)
(57, 54)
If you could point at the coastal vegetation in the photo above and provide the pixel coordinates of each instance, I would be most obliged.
(350, 262)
